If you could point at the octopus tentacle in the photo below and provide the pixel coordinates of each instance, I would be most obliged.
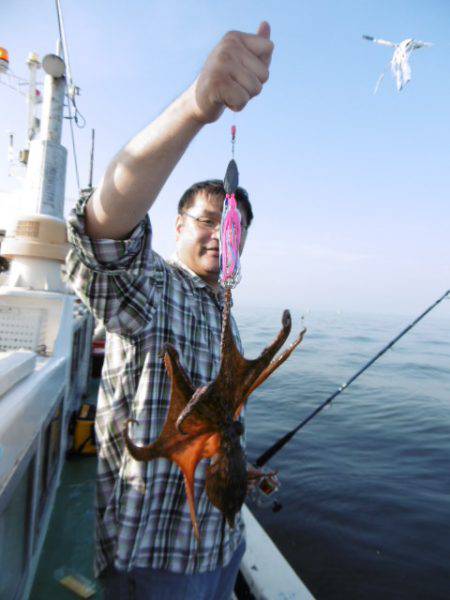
(137, 452)
(255, 368)
(176, 371)
(279, 360)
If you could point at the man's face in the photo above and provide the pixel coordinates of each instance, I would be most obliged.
(198, 244)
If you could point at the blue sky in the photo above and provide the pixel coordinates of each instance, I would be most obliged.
(350, 190)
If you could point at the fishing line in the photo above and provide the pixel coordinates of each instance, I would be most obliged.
(278, 445)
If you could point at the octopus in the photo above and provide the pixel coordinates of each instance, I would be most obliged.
(204, 422)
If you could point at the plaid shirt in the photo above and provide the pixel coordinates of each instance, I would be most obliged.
(142, 513)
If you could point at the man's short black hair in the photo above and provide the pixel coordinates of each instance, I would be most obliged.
(214, 187)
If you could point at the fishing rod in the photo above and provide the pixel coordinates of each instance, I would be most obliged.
(279, 444)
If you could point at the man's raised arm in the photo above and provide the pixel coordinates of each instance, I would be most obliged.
(234, 72)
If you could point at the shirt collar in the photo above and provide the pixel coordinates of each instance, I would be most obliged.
(196, 279)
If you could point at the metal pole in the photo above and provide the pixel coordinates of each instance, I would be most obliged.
(91, 171)
(52, 109)
(46, 172)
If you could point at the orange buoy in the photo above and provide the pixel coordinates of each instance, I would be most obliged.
(4, 60)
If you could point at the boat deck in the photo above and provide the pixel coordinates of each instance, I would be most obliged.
(68, 548)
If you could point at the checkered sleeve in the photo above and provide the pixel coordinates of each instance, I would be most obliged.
(120, 281)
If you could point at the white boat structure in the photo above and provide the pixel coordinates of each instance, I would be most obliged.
(45, 341)
(45, 354)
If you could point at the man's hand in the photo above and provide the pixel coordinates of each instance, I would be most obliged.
(266, 480)
(234, 72)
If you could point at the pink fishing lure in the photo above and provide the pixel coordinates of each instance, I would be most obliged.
(230, 229)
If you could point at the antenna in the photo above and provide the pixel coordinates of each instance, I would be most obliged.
(10, 147)
(91, 168)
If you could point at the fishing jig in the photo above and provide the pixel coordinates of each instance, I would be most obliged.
(230, 227)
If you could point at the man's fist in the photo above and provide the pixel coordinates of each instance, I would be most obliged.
(234, 72)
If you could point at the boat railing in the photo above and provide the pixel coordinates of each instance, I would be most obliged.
(45, 350)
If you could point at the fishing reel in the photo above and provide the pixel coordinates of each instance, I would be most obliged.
(263, 485)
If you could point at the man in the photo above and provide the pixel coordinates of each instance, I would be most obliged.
(145, 546)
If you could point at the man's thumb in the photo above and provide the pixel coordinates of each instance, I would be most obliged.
(264, 30)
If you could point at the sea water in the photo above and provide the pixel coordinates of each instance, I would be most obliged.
(366, 484)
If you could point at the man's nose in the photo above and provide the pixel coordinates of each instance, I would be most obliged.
(215, 233)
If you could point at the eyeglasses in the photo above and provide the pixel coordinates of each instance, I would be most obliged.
(210, 224)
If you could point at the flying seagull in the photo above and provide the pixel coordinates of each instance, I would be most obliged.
(399, 62)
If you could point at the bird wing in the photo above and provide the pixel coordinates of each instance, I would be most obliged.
(418, 44)
(381, 42)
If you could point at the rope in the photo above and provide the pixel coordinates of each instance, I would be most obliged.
(12, 87)
(72, 135)
(268, 454)
(11, 77)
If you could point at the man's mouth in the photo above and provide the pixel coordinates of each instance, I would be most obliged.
(213, 251)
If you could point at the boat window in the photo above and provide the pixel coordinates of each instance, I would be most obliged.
(49, 457)
(14, 532)
(76, 350)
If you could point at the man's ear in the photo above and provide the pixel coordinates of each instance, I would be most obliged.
(178, 225)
